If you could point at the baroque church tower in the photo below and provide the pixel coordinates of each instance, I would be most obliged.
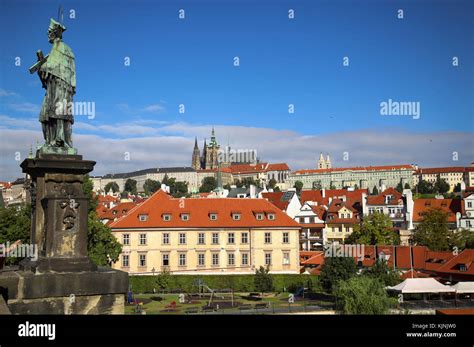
(324, 163)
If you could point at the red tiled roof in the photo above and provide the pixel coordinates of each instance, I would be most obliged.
(352, 197)
(275, 199)
(452, 266)
(117, 211)
(360, 168)
(450, 206)
(437, 170)
(413, 274)
(258, 167)
(199, 210)
(380, 199)
(316, 259)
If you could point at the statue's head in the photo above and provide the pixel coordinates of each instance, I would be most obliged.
(55, 30)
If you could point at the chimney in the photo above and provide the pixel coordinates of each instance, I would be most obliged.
(323, 193)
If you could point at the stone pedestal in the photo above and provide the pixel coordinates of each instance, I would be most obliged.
(62, 279)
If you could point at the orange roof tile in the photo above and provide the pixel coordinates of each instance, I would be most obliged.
(450, 206)
(199, 210)
(360, 168)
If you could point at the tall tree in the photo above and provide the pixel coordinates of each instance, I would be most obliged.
(433, 230)
(381, 271)
(131, 186)
(362, 295)
(112, 186)
(376, 229)
(375, 191)
(424, 187)
(208, 184)
(272, 183)
(102, 246)
(299, 186)
(15, 224)
(399, 187)
(441, 186)
(151, 186)
(336, 269)
(263, 281)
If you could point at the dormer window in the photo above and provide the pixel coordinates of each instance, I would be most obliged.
(184, 217)
(462, 267)
(259, 216)
(166, 217)
(143, 217)
(213, 216)
(236, 216)
(271, 216)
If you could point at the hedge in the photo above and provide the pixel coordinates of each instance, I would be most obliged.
(239, 283)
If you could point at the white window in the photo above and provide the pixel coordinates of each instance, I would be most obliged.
(271, 216)
(125, 260)
(268, 259)
(231, 238)
(126, 239)
(142, 260)
(215, 238)
(166, 217)
(166, 259)
(231, 259)
(236, 216)
(201, 239)
(143, 217)
(469, 204)
(268, 238)
(286, 237)
(166, 239)
(259, 216)
(185, 217)
(245, 238)
(142, 239)
(215, 259)
(201, 259)
(182, 259)
(245, 258)
(286, 258)
(213, 216)
(182, 238)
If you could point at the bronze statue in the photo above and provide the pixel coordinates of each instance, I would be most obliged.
(57, 72)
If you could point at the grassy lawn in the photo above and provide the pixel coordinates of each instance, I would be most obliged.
(223, 300)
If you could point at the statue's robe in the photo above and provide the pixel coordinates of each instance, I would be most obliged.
(60, 84)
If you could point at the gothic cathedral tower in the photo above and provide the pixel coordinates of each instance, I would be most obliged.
(212, 152)
(196, 161)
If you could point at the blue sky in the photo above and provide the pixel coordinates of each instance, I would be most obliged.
(282, 62)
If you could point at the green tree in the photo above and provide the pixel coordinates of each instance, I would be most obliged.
(15, 224)
(336, 269)
(424, 187)
(150, 186)
(112, 185)
(263, 281)
(376, 229)
(362, 295)
(381, 271)
(462, 239)
(272, 183)
(441, 186)
(299, 186)
(179, 189)
(375, 191)
(131, 186)
(163, 280)
(399, 187)
(407, 186)
(102, 246)
(317, 185)
(433, 230)
(457, 188)
(208, 185)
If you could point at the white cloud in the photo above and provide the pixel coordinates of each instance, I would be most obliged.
(4, 92)
(158, 144)
(154, 108)
(25, 107)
